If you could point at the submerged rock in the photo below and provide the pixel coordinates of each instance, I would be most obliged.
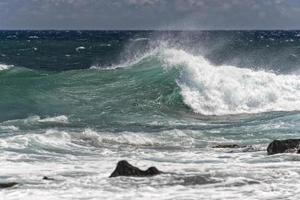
(235, 148)
(284, 146)
(196, 180)
(8, 185)
(48, 179)
(228, 146)
(125, 169)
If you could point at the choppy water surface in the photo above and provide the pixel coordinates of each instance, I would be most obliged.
(72, 104)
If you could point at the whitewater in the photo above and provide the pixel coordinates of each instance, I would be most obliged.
(71, 114)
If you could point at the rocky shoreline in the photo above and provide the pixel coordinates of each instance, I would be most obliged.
(124, 168)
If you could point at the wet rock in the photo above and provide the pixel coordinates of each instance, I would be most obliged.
(284, 146)
(7, 185)
(125, 169)
(235, 148)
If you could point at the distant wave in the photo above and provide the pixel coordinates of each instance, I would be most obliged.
(140, 39)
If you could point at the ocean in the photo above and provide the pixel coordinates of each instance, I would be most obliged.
(74, 103)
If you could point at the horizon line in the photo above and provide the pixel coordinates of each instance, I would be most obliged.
(124, 30)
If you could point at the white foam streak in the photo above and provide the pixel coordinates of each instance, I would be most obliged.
(179, 139)
(12, 128)
(5, 67)
(61, 119)
(33, 120)
(222, 90)
(58, 119)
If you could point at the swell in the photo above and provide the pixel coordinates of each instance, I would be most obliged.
(162, 83)
(106, 97)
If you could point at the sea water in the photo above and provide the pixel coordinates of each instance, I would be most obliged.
(74, 103)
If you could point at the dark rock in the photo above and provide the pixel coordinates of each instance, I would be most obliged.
(48, 179)
(125, 169)
(8, 185)
(228, 146)
(283, 146)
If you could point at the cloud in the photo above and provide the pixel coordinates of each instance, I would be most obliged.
(143, 2)
(150, 14)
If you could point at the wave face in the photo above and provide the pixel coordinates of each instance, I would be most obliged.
(218, 90)
(75, 103)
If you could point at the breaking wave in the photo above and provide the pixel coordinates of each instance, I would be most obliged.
(223, 90)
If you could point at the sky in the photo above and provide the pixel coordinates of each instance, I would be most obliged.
(150, 14)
